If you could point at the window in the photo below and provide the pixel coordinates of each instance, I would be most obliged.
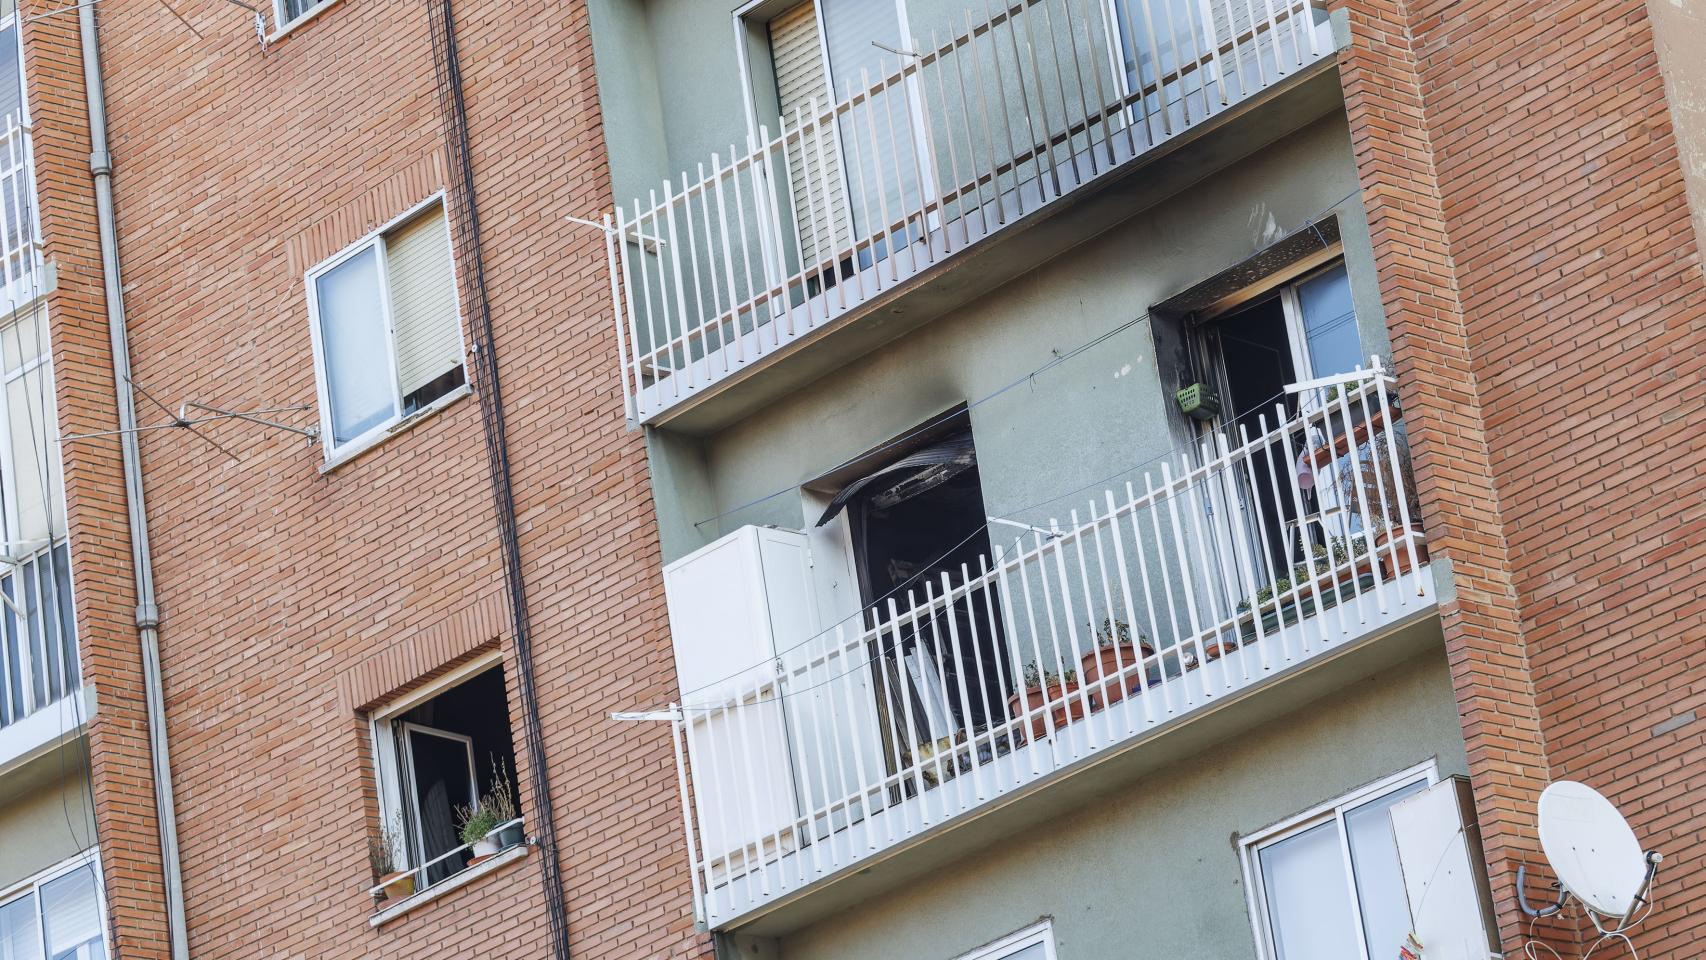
(19, 251)
(289, 11)
(38, 645)
(1327, 885)
(1032, 943)
(439, 753)
(387, 335)
(55, 916)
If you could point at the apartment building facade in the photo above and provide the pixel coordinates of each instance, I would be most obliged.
(1159, 478)
(346, 536)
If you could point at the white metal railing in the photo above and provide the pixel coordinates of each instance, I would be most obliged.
(38, 637)
(838, 203)
(1272, 543)
(20, 237)
(421, 875)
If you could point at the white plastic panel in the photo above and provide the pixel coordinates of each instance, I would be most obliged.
(1441, 873)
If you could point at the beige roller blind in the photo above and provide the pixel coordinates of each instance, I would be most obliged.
(820, 202)
(423, 300)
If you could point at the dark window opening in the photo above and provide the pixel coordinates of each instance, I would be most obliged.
(916, 522)
(452, 751)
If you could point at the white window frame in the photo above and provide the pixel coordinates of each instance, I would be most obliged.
(383, 737)
(282, 24)
(88, 859)
(1041, 932)
(409, 731)
(1250, 848)
(336, 453)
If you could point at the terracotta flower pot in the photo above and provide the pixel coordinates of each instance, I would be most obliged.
(1067, 706)
(1220, 648)
(396, 886)
(1382, 548)
(1116, 663)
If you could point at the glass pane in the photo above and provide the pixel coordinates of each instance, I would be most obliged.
(879, 132)
(1035, 951)
(1330, 323)
(67, 623)
(442, 773)
(355, 346)
(11, 80)
(33, 433)
(14, 649)
(1380, 885)
(71, 917)
(18, 937)
(1309, 900)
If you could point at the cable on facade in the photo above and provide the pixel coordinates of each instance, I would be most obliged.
(447, 68)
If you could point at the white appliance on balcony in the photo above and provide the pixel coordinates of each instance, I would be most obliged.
(753, 657)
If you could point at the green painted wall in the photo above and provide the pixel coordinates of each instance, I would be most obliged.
(45, 815)
(1086, 421)
(1153, 873)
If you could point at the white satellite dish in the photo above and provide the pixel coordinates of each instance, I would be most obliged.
(1592, 849)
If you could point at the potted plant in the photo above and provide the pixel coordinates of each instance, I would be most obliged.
(479, 823)
(1045, 688)
(394, 881)
(502, 802)
(1113, 656)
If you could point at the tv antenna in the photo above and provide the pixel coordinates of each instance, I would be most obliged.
(1598, 861)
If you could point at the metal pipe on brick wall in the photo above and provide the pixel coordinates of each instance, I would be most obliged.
(147, 612)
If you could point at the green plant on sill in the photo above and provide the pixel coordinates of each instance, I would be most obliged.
(491, 810)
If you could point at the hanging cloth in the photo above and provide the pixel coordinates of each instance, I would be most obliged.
(917, 472)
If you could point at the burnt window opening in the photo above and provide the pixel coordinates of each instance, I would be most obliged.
(915, 522)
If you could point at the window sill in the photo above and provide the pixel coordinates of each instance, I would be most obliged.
(356, 448)
(421, 899)
(279, 33)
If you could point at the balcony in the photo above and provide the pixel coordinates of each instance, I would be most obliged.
(42, 698)
(1280, 546)
(850, 208)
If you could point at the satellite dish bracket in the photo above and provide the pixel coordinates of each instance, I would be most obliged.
(1522, 895)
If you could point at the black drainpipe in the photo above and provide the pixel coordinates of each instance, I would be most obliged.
(471, 265)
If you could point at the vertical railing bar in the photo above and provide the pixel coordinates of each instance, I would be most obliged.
(1403, 492)
(1012, 33)
(747, 768)
(802, 269)
(841, 184)
(1003, 682)
(729, 261)
(1275, 575)
(849, 668)
(935, 651)
(1392, 539)
(887, 226)
(1212, 584)
(1292, 459)
(1072, 620)
(1273, 37)
(826, 187)
(1178, 68)
(869, 239)
(988, 130)
(1113, 628)
(930, 189)
(646, 295)
(680, 286)
(1066, 110)
(629, 404)
(954, 181)
(1196, 59)
(1245, 565)
(960, 678)
(1206, 11)
(1161, 561)
(917, 764)
(1046, 142)
(1314, 595)
(888, 716)
(1255, 46)
(701, 324)
(1185, 580)
(1160, 71)
(901, 202)
(715, 319)
(705, 772)
(1130, 608)
(1095, 74)
(1036, 641)
(1019, 684)
(1358, 494)
(1071, 628)
(805, 830)
(978, 771)
(677, 728)
(781, 312)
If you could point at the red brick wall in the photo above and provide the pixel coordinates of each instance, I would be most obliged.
(1546, 301)
(289, 597)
